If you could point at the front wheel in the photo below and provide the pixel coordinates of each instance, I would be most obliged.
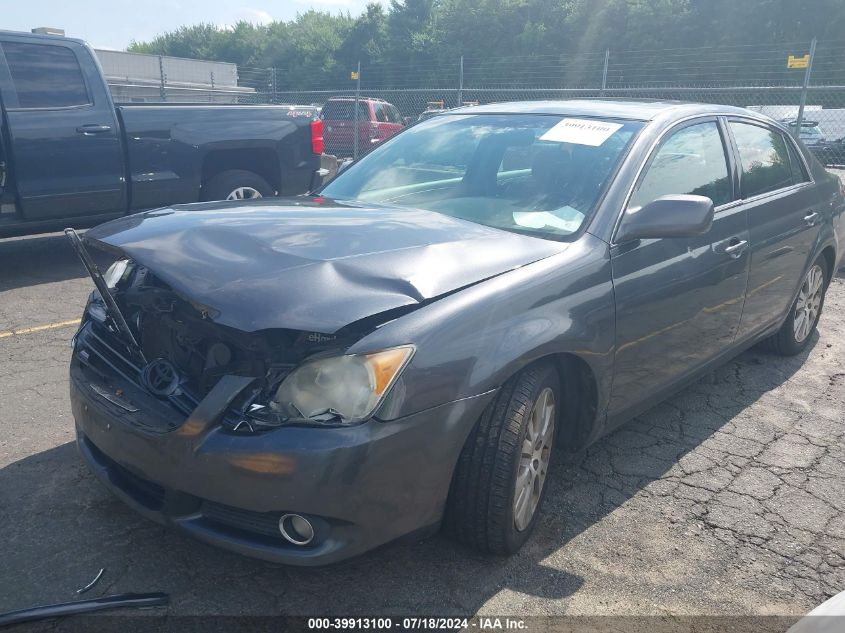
(499, 482)
(803, 317)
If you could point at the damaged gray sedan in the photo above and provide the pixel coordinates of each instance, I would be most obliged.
(304, 380)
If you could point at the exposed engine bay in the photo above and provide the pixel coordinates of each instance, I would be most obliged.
(171, 328)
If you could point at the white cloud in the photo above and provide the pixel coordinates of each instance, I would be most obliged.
(256, 16)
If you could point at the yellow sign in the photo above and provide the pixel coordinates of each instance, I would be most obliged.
(797, 62)
(354, 74)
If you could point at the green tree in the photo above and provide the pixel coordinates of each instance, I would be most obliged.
(304, 52)
(367, 40)
(200, 41)
(548, 42)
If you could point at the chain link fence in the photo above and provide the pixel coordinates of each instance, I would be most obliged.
(799, 83)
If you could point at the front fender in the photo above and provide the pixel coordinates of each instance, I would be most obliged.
(472, 341)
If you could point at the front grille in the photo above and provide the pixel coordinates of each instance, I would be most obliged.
(111, 357)
(145, 492)
(264, 523)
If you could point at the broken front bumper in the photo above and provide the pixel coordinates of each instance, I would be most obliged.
(360, 486)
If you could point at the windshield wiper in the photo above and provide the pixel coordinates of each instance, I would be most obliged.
(112, 309)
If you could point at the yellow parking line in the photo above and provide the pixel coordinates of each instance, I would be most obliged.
(38, 328)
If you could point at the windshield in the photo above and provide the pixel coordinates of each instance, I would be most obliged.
(534, 174)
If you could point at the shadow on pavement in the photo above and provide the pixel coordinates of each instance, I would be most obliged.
(39, 259)
(60, 527)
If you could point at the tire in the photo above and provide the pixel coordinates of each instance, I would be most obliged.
(792, 339)
(226, 184)
(480, 510)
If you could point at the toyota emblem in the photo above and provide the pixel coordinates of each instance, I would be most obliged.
(160, 377)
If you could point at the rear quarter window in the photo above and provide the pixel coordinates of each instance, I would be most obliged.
(799, 172)
(393, 114)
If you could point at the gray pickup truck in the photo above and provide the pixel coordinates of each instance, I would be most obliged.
(69, 155)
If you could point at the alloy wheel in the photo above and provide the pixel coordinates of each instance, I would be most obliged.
(244, 193)
(534, 459)
(808, 304)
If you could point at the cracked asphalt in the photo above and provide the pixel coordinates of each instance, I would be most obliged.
(726, 499)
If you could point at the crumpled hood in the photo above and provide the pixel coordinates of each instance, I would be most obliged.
(313, 264)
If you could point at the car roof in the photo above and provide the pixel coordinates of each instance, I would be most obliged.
(40, 36)
(637, 110)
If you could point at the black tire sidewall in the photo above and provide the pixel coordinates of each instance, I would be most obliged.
(515, 539)
(220, 186)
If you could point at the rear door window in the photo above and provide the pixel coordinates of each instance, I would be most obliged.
(764, 158)
(45, 75)
(691, 161)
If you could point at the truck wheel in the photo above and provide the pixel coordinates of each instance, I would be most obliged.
(498, 486)
(236, 184)
(804, 314)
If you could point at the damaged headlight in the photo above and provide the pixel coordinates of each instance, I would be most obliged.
(350, 386)
(117, 272)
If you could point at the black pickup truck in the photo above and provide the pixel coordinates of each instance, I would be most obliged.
(68, 155)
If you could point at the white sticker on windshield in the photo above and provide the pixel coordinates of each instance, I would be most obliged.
(565, 219)
(581, 132)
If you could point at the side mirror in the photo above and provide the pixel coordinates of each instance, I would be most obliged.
(668, 216)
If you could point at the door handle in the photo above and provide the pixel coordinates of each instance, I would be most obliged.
(811, 218)
(93, 128)
(736, 248)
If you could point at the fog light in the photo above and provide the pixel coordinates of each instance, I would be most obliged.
(296, 529)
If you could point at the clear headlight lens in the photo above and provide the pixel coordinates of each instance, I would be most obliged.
(116, 272)
(350, 386)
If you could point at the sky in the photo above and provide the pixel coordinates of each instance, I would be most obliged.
(115, 23)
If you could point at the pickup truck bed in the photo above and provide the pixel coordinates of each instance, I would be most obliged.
(69, 156)
(164, 144)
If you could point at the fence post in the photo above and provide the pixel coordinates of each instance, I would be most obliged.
(461, 83)
(356, 126)
(162, 79)
(803, 102)
(604, 72)
(273, 86)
